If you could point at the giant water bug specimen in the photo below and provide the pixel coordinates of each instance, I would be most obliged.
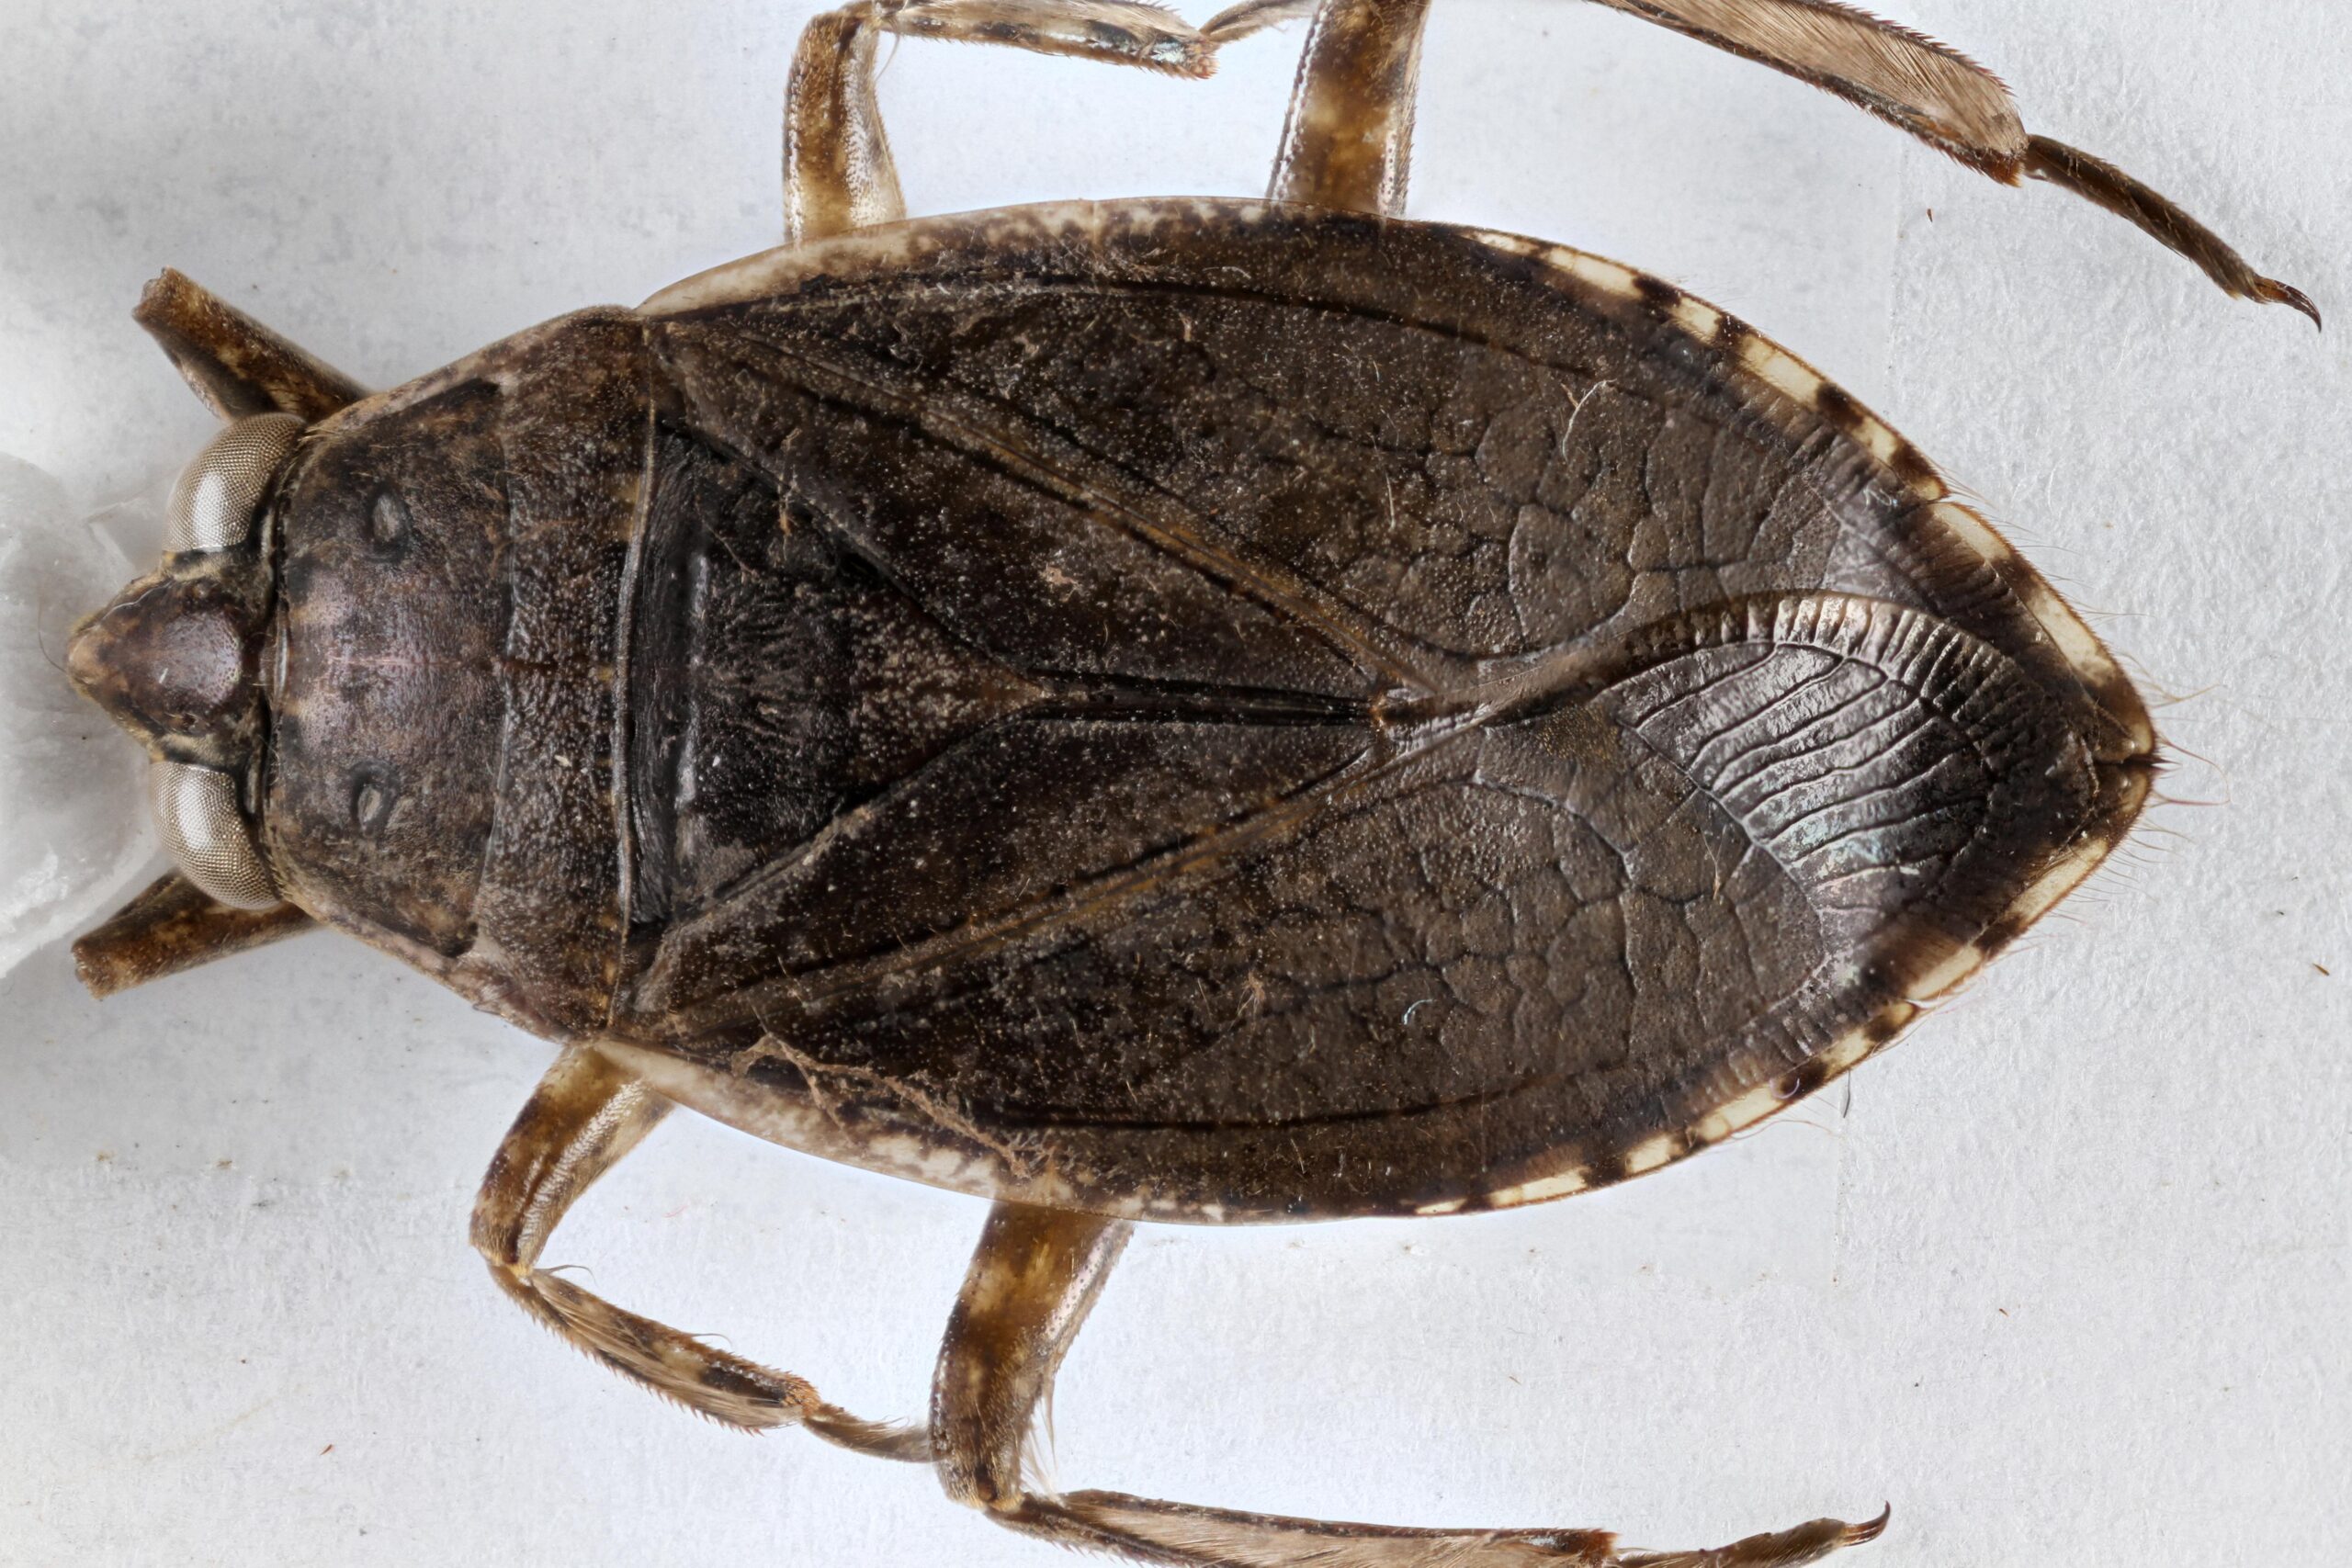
(1197, 711)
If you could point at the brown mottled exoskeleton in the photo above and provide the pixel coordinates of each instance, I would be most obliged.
(1184, 710)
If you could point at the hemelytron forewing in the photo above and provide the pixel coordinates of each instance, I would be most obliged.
(1354, 663)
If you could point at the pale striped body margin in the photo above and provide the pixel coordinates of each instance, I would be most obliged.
(1777, 372)
(1790, 377)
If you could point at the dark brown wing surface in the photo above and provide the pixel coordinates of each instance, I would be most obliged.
(1212, 710)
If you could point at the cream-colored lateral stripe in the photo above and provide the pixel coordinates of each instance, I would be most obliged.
(1850, 1047)
(1651, 1153)
(1782, 370)
(1698, 318)
(1609, 277)
(1539, 1190)
(1794, 379)
(2066, 629)
(1514, 244)
(2065, 876)
(2059, 620)
(1766, 360)
(1964, 962)
(1975, 533)
(1733, 1115)
(1746, 1111)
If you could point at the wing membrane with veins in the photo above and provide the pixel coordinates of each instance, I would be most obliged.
(1398, 721)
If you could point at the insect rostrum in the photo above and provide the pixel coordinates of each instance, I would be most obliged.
(1004, 700)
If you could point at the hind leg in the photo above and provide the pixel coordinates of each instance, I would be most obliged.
(1034, 1279)
(838, 173)
(1347, 140)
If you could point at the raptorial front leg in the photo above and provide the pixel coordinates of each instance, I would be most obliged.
(172, 926)
(237, 365)
(1348, 141)
(1033, 1281)
(585, 1116)
(838, 173)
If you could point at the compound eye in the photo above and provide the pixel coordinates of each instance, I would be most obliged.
(209, 837)
(215, 502)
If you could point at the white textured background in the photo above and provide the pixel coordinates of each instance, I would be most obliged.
(2065, 1276)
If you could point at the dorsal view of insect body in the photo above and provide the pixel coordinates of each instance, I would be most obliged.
(1174, 710)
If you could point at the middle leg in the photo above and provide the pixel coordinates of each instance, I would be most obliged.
(838, 173)
(1347, 140)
